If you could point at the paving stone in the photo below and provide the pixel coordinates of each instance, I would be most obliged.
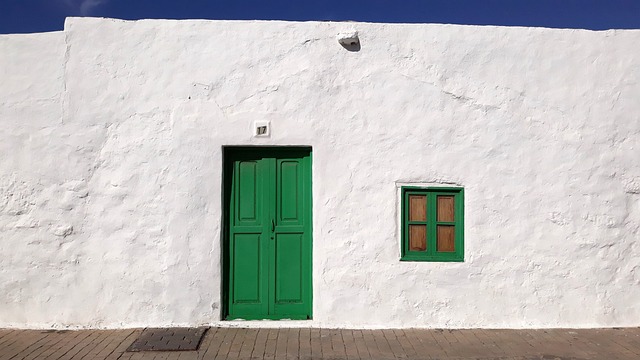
(325, 344)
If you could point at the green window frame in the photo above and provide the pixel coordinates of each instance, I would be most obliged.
(432, 224)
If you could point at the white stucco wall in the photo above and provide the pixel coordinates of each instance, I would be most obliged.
(110, 169)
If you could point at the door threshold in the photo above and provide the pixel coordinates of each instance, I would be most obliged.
(284, 323)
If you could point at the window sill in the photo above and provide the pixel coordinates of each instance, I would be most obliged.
(433, 258)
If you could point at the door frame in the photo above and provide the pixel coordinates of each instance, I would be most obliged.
(229, 153)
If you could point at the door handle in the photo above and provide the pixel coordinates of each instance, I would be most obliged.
(273, 229)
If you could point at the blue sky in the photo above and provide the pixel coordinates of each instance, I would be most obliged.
(25, 16)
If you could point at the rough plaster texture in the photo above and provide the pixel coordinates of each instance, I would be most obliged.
(110, 174)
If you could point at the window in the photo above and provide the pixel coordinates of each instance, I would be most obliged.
(432, 224)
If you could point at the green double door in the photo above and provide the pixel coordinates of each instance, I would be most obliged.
(268, 242)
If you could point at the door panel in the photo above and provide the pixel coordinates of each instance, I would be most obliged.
(288, 178)
(246, 267)
(288, 268)
(248, 181)
(268, 266)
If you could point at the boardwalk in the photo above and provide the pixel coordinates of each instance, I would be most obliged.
(237, 343)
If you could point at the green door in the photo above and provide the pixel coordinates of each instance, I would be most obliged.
(268, 234)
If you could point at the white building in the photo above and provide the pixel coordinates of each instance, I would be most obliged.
(114, 136)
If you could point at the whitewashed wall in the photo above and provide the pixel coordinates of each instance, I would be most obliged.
(110, 169)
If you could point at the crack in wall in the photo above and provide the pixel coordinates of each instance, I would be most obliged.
(461, 98)
(64, 98)
(267, 90)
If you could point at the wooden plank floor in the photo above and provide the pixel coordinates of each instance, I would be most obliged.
(305, 343)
